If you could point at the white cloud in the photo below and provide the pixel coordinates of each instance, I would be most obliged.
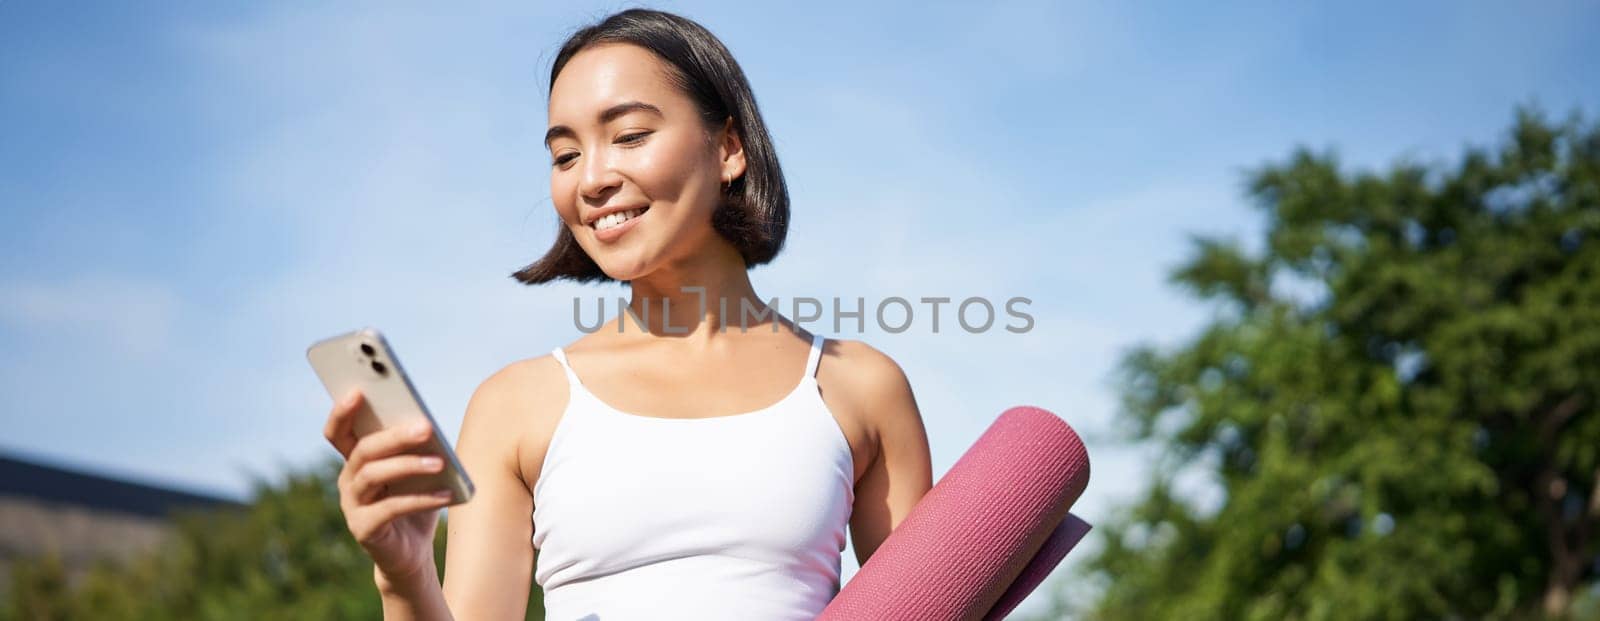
(100, 314)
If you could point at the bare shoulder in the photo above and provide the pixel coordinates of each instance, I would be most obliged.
(874, 388)
(863, 370)
(526, 388)
(514, 412)
(490, 559)
(862, 367)
(867, 382)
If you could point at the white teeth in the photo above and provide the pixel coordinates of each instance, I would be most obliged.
(616, 219)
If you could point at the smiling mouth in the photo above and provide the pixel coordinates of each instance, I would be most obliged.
(613, 220)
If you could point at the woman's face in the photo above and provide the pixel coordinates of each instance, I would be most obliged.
(625, 141)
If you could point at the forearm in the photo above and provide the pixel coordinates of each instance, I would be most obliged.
(418, 597)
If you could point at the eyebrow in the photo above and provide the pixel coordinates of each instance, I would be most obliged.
(606, 116)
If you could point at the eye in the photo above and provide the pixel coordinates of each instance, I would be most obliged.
(564, 158)
(632, 138)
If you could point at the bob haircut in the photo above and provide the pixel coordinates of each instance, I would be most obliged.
(754, 214)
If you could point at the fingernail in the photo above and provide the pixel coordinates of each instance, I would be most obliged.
(444, 493)
(431, 462)
(420, 430)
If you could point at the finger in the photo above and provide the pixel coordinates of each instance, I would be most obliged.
(387, 442)
(340, 428)
(369, 520)
(368, 484)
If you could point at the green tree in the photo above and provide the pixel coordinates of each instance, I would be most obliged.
(287, 556)
(1396, 400)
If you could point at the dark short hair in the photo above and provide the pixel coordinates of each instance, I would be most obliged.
(754, 214)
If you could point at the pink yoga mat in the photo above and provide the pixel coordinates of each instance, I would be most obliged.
(1055, 548)
(985, 535)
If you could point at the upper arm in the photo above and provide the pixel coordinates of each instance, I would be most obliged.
(901, 471)
(489, 554)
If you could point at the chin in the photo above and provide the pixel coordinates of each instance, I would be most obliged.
(622, 269)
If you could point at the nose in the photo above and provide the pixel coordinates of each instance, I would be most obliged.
(598, 177)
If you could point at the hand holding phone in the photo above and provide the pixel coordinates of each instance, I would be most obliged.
(399, 470)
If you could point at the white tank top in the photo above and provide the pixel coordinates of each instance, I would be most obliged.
(729, 517)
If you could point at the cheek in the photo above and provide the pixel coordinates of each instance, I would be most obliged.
(657, 171)
(679, 180)
(561, 195)
(670, 173)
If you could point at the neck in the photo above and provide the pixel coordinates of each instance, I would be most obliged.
(698, 298)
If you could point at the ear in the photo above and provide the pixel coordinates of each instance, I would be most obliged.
(730, 151)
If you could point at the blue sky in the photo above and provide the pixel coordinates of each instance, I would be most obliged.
(191, 193)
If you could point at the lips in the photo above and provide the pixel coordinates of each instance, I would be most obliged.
(616, 218)
(612, 224)
(594, 218)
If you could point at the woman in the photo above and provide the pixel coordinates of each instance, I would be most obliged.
(696, 463)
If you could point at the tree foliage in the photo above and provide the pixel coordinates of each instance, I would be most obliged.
(288, 555)
(1396, 400)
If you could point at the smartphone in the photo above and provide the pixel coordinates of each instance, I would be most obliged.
(363, 359)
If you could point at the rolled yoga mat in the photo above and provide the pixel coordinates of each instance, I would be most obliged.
(976, 543)
(1056, 546)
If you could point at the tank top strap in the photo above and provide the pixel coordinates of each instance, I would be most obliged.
(815, 356)
(561, 356)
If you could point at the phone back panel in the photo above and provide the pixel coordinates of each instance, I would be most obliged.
(364, 360)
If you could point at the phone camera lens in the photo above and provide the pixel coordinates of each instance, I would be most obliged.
(367, 349)
(379, 368)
